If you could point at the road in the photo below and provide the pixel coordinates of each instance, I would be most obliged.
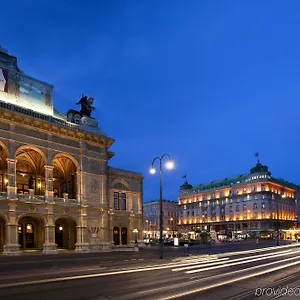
(231, 275)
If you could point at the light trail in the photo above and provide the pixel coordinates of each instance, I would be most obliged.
(236, 263)
(86, 276)
(267, 255)
(257, 250)
(236, 279)
(198, 261)
(215, 276)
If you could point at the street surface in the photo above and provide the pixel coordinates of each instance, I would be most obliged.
(223, 273)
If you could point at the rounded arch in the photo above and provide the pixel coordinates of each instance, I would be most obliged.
(5, 148)
(65, 232)
(64, 154)
(30, 170)
(31, 231)
(66, 217)
(64, 175)
(4, 217)
(33, 216)
(118, 182)
(4, 155)
(31, 147)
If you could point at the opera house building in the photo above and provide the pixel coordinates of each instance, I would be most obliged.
(57, 190)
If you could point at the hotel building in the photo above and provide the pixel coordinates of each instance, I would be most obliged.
(253, 204)
(56, 187)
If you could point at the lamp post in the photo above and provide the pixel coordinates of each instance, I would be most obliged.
(172, 227)
(169, 165)
(136, 232)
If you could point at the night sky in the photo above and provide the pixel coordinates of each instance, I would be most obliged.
(209, 82)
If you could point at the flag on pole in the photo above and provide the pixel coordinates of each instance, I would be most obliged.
(256, 154)
(184, 176)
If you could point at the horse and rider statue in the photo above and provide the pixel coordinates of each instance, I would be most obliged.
(86, 105)
(86, 109)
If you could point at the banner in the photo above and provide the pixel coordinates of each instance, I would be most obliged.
(3, 80)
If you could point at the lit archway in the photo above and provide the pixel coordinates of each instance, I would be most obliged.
(65, 233)
(124, 235)
(64, 175)
(30, 170)
(2, 233)
(3, 167)
(31, 232)
(116, 235)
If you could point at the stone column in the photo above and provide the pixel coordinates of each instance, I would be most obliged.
(49, 183)
(131, 227)
(110, 226)
(79, 182)
(82, 244)
(104, 232)
(12, 178)
(50, 247)
(12, 246)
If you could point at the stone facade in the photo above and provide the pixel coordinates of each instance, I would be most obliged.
(57, 190)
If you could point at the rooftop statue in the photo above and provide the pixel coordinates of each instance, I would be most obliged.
(86, 105)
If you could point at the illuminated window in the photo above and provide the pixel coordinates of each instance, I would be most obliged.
(263, 205)
(29, 228)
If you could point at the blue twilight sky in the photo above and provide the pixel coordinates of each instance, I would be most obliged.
(209, 82)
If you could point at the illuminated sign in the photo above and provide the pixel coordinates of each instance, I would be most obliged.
(176, 242)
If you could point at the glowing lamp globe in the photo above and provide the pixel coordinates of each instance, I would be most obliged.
(152, 171)
(170, 165)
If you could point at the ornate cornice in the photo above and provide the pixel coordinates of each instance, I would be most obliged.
(122, 171)
(25, 117)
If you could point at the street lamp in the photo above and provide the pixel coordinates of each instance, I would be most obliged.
(172, 226)
(169, 165)
(136, 232)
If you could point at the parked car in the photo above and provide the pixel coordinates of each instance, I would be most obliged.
(237, 239)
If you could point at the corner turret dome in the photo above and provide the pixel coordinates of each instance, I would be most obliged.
(259, 168)
(186, 186)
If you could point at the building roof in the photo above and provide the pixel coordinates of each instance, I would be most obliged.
(234, 180)
(24, 94)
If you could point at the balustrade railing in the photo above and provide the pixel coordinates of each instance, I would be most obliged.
(65, 200)
(29, 198)
(38, 198)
